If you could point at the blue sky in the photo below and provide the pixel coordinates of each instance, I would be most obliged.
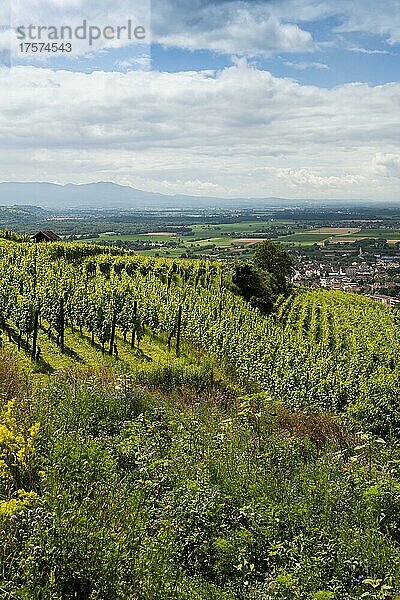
(333, 66)
(369, 61)
(297, 98)
(338, 57)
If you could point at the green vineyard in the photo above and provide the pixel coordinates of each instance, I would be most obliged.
(161, 438)
(320, 350)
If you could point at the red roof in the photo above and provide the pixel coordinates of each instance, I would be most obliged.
(50, 235)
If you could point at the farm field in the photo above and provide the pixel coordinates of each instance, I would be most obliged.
(167, 429)
(144, 237)
(347, 238)
(247, 240)
(304, 238)
(241, 227)
(233, 239)
(389, 234)
(203, 236)
(335, 230)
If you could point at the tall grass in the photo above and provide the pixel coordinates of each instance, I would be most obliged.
(12, 383)
(146, 498)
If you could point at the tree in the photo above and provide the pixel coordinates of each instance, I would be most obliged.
(263, 280)
(253, 285)
(273, 258)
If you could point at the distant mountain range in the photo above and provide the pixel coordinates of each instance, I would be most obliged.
(101, 195)
(107, 195)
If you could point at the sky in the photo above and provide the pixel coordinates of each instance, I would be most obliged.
(273, 98)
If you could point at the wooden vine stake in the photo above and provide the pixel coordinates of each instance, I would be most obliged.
(134, 327)
(62, 326)
(35, 334)
(178, 330)
(113, 325)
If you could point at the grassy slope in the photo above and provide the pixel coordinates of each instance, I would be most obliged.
(184, 494)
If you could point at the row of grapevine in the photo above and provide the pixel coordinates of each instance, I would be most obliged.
(321, 349)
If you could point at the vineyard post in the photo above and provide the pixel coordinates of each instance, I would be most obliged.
(35, 334)
(178, 332)
(112, 338)
(220, 294)
(35, 271)
(36, 314)
(134, 326)
(62, 325)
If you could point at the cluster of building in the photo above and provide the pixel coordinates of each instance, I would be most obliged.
(358, 277)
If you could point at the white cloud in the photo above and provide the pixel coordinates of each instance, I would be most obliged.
(143, 61)
(242, 27)
(229, 27)
(194, 186)
(367, 16)
(89, 25)
(372, 17)
(264, 27)
(387, 165)
(302, 66)
(240, 130)
(298, 178)
(361, 50)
